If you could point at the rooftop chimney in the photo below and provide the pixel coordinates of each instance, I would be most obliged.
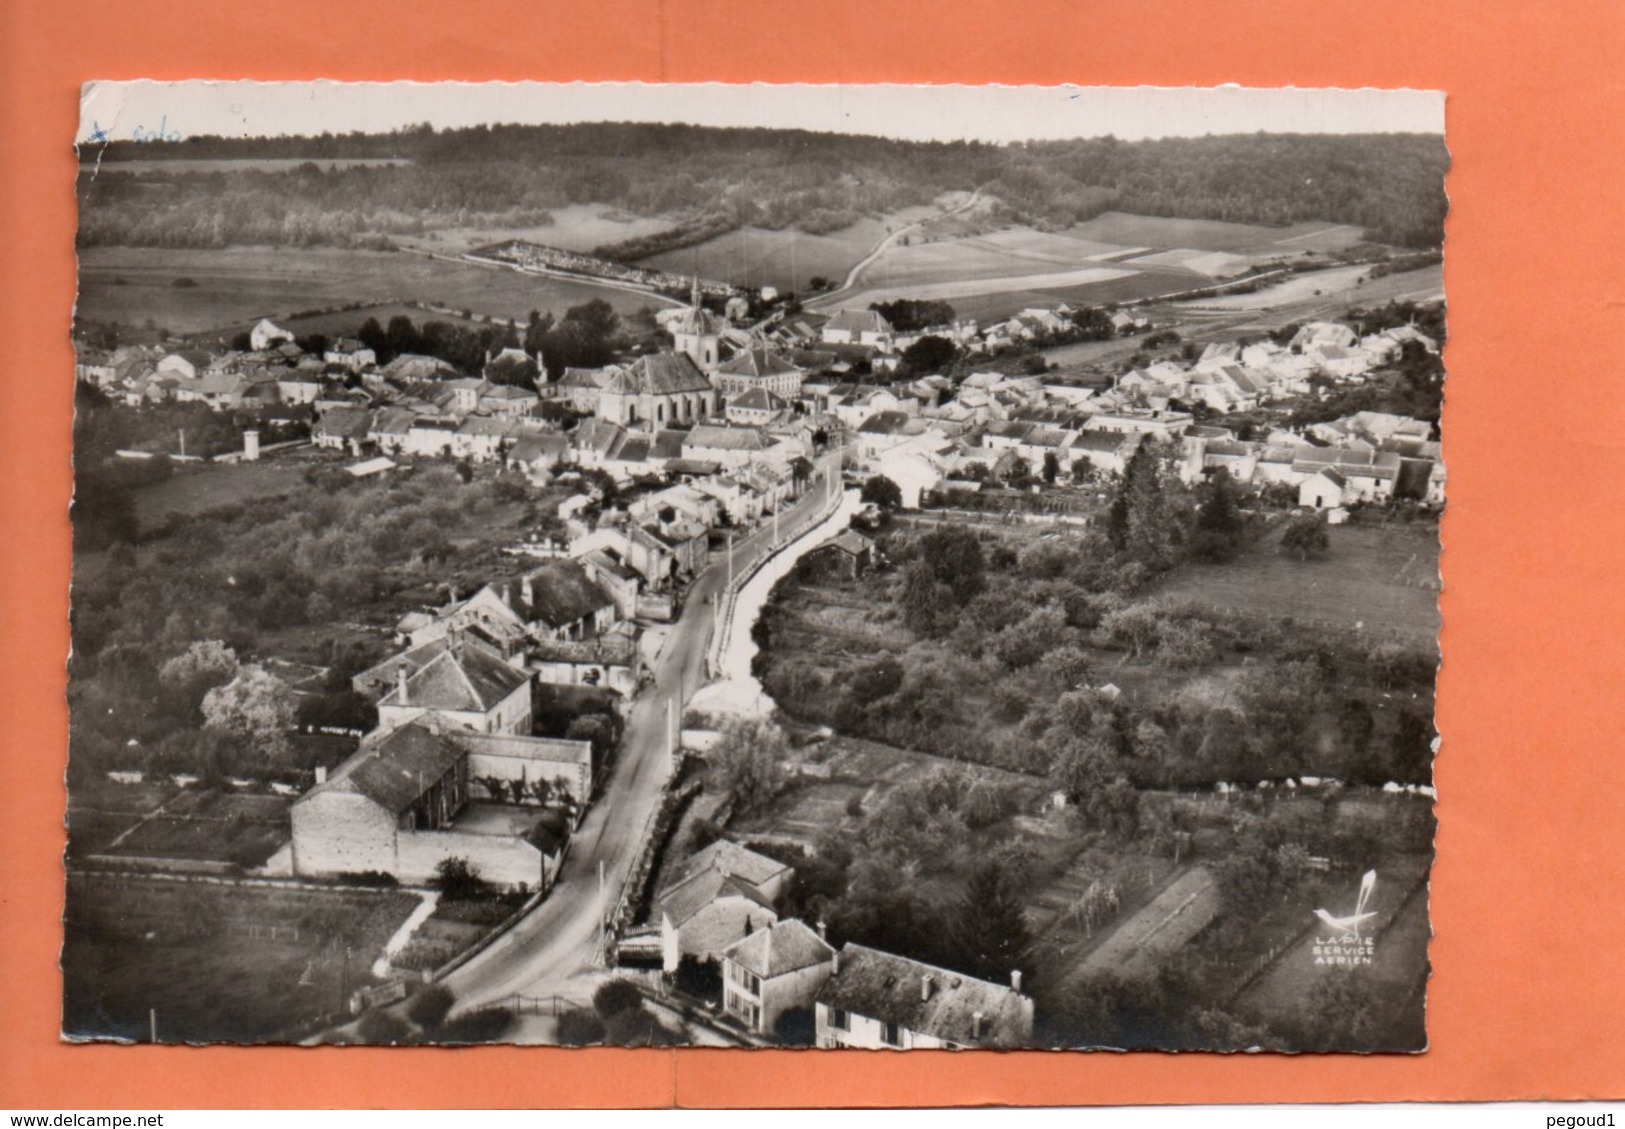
(527, 591)
(400, 684)
(1015, 979)
(823, 931)
(925, 987)
(321, 774)
(976, 1025)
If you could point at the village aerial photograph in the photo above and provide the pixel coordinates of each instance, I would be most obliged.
(755, 567)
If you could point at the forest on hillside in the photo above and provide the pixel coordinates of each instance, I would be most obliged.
(713, 180)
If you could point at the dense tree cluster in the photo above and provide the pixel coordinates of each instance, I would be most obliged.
(713, 180)
(1001, 670)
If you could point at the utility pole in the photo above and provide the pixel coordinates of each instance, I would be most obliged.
(152, 1024)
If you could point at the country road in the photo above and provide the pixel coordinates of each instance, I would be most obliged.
(559, 941)
(843, 291)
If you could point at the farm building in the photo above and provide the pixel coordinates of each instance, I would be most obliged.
(849, 555)
(396, 806)
(857, 327)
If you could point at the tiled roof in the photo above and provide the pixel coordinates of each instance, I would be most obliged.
(532, 448)
(562, 593)
(393, 421)
(859, 321)
(892, 989)
(730, 858)
(783, 947)
(396, 770)
(469, 680)
(666, 374)
(485, 426)
(758, 400)
(884, 423)
(713, 437)
(758, 361)
(682, 900)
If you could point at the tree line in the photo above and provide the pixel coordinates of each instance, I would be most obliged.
(713, 180)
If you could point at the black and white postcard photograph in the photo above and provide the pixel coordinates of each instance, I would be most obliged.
(831, 567)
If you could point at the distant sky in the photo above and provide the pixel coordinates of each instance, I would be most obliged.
(122, 110)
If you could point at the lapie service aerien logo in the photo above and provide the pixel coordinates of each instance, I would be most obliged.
(1344, 941)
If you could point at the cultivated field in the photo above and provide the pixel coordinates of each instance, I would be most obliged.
(788, 259)
(953, 291)
(218, 963)
(1215, 235)
(1113, 258)
(132, 284)
(578, 227)
(1381, 579)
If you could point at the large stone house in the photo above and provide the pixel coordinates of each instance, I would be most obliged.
(772, 971)
(759, 367)
(877, 1001)
(464, 686)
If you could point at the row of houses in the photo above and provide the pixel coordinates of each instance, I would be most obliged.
(720, 907)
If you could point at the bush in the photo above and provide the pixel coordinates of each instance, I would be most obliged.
(429, 1008)
(484, 1026)
(380, 1028)
(796, 1027)
(616, 996)
(580, 1028)
(459, 879)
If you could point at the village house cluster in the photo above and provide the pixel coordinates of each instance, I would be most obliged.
(718, 430)
(719, 908)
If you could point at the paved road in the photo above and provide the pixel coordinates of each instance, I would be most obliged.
(558, 942)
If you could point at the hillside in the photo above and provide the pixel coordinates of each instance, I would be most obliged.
(710, 181)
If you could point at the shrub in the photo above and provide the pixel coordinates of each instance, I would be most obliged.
(430, 1006)
(580, 1028)
(616, 996)
(484, 1026)
(458, 879)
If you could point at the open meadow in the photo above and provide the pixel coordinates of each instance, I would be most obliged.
(787, 259)
(1382, 580)
(241, 284)
(1215, 235)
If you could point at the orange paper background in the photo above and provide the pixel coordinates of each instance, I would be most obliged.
(1529, 954)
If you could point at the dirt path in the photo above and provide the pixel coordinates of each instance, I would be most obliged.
(841, 293)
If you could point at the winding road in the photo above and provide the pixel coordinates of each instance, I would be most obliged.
(558, 943)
